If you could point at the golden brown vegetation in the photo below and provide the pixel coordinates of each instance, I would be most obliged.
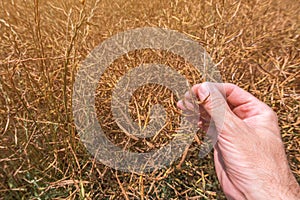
(256, 45)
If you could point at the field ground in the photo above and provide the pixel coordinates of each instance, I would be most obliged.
(255, 43)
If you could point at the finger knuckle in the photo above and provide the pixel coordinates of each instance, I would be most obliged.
(271, 114)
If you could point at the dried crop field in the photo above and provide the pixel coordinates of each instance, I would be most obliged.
(255, 44)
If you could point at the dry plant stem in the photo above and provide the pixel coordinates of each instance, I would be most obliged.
(197, 102)
(141, 185)
(7, 101)
(183, 157)
(40, 44)
(121, 186)
(204, 100)
(69, 49)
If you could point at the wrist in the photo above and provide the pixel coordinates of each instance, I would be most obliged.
(291, 190)
(285, 188)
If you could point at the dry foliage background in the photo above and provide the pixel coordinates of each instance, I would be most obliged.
(256, 45)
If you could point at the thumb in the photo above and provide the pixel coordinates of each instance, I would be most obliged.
(212, 97)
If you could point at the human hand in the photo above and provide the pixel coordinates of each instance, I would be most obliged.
(249, 155)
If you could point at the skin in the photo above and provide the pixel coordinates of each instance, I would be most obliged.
(249, 155)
